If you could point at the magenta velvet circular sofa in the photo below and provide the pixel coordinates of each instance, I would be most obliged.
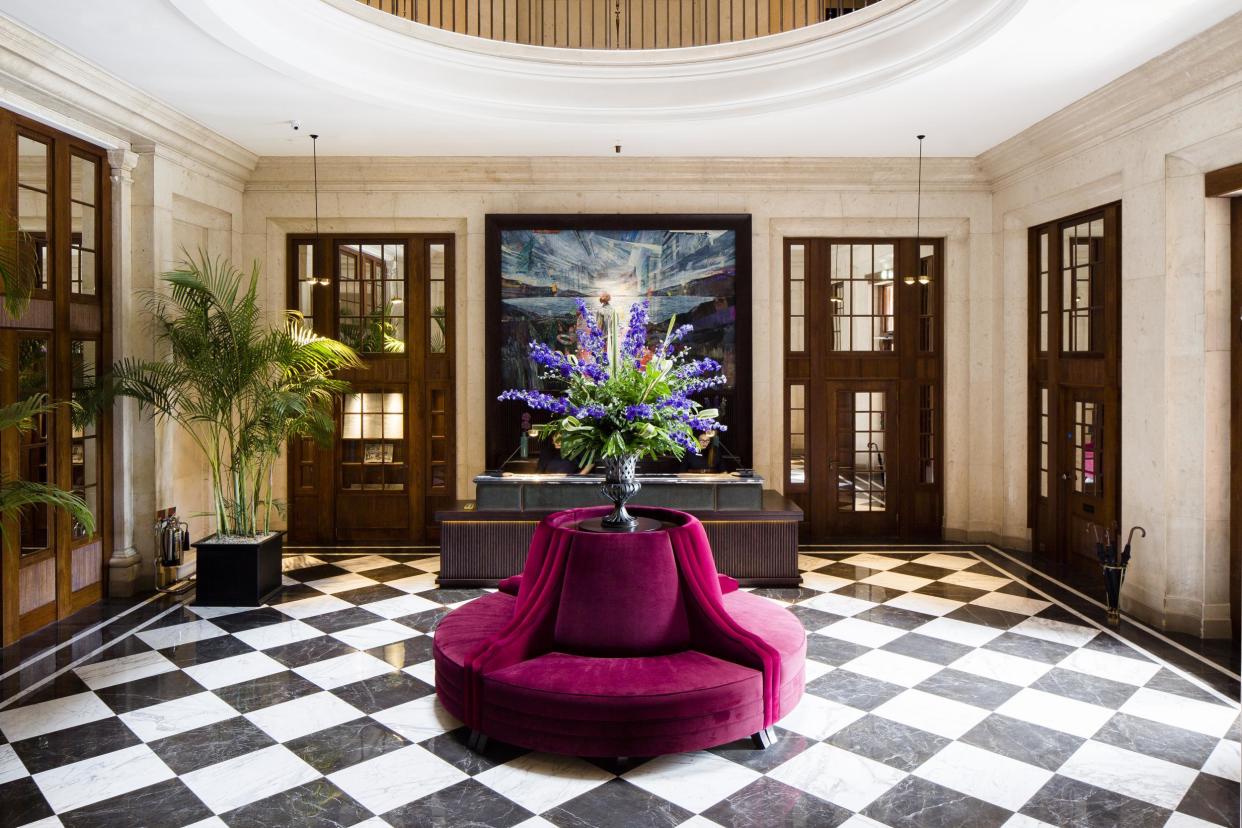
(614, 644)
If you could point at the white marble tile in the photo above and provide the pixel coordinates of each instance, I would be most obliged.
(892, 667)
(1133, 774)
(1058, 632)
(1050, 710)
(960, 632)
(839, 776)
(274, 635)
(810, 563)
(47, 822)
(1024, 821)
(215, 612)
(400, 606)
(1109, 666)
(695, 781)
(248, 778)
(341, 583)
(375, 635)
(364, 563)
(819, 718)
(945, 561)
(177, 716)
(315, 605)
(1001, 667)
(36, 719)
(935, 714)
(1012, 603)
(866, 633)
(292, 562)
(875, 561)
(1180, 820)
(860, 821)
(896, 580)
(101, 777)
(425, 671)
(814, 669)
(984, 775)
(392, 780)
(234, 669)
(209, 822)
(103, 674)
(977, 580)
(11, 766)
(1225, 761)
(308, 714)
(419, 719)
(696, 821)
(926, 604)
(539, 781)
(342, 670)
(428, 564)
(415, 583)
(161, 637)
(1179, 711)
(373, 822)
(540, 822)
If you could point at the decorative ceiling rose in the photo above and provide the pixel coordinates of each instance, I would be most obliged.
(374, 56)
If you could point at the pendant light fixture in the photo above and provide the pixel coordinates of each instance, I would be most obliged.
(324, 281)
(921, 276)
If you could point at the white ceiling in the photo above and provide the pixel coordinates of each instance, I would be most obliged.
(983, 86)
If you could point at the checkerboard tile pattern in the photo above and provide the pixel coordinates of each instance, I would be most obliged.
(940, 693)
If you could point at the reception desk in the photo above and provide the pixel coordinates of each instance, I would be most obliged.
(753, 530)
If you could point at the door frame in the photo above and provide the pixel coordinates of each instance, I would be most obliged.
(836, 522)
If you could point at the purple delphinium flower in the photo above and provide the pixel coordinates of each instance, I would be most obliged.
(591, 411)
(698, 367)
(701, 424)
(677, 400)
(590, 337)
(536, 400)
(594, 371)
(685, 441)
(666, 347)
(552, 361)
(636, 332)
(641, 411)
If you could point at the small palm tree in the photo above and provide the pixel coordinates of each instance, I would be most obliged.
(237, 387)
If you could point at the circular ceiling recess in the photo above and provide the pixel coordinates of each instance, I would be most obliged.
(354, 50)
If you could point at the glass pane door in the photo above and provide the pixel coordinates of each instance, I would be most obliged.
(863, 462)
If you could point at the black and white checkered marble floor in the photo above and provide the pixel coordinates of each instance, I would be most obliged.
(940, 693)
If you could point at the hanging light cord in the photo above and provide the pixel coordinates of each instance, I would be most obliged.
(315, 172)
(918, 209)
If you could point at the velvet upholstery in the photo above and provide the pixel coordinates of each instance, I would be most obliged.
(619, 644)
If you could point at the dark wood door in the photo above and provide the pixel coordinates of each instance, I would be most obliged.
(863, 459)
(1088, 459)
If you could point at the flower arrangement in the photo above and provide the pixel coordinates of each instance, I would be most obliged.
(622, 399)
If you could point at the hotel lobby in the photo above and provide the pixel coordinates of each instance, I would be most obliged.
(424, 413)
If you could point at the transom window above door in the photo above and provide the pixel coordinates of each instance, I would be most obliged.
(371, 306)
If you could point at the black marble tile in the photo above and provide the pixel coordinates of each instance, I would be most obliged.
(247, 696)
(294, 592)
(981, 568)
(383, 691)
(919, 570)
(1213, 799)
(1068, 802)
(1021, 590)
(301, 653)
(1057, 612)
(847, 571)
(451, 596)
(400, 654)
(451, 747)
(1033, 744)
(130, 645)
(425, 621)
(832, 651)
(1024, 646)
(316, 804)
(788, 745)
(466, 803)
(813, 619)
(892, 743)
(874, 593)
(766, 803)
(22, 803)
(66, 684)
(789, 595)
(935, 650)
(1169, 682)
(64, 747)
(392, 572)
(986, 617)
(144, 692)
(208, 649)
(953, 592)
(315, 573)
(1173, 744)
(962, 686)
(858, 691)
(1091, 689)
(167, 804)
(210, 744)
(346, 619)
(918, 803)
(249, 619)
(617, 804)
(1106, 643)
(370, 594)
(181, 615)
(344, 745)
(895, 617)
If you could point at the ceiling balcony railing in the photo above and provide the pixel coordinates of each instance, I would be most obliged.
(619, 24)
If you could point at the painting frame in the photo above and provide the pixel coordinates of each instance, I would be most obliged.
(502, 441)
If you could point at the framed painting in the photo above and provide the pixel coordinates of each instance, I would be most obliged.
(696, 267)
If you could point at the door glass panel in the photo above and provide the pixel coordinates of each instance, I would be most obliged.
(927, 434)
(1081, 296)
(33, 379)
(84, 443)
(797, 434)
(83, 215)
(32, 207)
(797, 297)
(304, 258)
(1087, 447)
(1043, 442)
(438, 312)
(373, 441)
(927, 299)
(861, 297)
(372, 297)
(1043, 291)
(860, 446)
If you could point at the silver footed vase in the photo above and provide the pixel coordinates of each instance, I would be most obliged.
(619, 486)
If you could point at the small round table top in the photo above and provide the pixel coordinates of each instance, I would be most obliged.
(645, 524)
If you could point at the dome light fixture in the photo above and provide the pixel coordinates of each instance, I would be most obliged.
(922, 278)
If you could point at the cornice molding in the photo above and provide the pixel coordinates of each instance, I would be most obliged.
(423, 174)
(35, 69)
(1197, 69)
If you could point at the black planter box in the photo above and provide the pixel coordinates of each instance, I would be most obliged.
(238, 574)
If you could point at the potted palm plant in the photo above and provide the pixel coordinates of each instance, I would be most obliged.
(239, 388)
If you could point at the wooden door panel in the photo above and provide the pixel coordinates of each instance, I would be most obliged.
(863, 460)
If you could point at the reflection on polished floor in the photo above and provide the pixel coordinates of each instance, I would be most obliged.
(941, 691)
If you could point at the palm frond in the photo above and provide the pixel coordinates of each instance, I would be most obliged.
(16, 495)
